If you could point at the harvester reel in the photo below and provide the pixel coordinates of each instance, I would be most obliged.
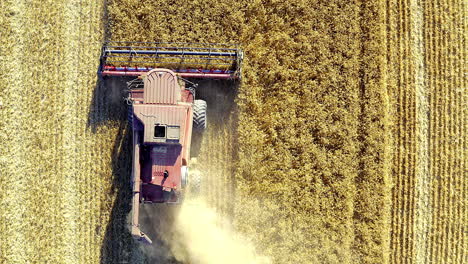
(187, 60)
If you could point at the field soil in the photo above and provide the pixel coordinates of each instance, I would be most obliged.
(345, 141)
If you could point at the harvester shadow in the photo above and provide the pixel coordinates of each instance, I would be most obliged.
(158, 221)
(118, 246)
(108, 102)
(109, 109)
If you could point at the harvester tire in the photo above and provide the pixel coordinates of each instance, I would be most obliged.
(184, 176)
(199, 115)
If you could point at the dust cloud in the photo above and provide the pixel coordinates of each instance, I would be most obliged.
(209, 239)
(193, 233)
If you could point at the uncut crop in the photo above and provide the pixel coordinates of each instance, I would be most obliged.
(335, 160)
(311, 167)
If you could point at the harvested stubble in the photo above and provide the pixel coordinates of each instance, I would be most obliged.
(55, 173)
(427, 58)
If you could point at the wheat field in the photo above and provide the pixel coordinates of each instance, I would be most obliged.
(345, 142)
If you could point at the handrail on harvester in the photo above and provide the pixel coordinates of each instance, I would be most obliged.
(188, 60)
(136, 187)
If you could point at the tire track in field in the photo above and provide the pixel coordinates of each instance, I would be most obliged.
(439, 123)
(423, 204)
(462, 151)
(434, 114)
(393, 33)
(69, 194)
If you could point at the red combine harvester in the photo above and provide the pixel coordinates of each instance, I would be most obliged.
(164, 111)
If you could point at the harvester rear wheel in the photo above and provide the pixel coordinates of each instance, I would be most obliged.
(199, 115)
(195, 182)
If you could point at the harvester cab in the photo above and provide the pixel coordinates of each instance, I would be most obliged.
(164, 110)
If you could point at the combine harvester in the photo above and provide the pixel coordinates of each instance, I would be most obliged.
(164, 111)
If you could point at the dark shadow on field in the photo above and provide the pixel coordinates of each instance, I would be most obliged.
(109, 109)
(220, 97)
(158, 222)
(108, 104)
(118, 246)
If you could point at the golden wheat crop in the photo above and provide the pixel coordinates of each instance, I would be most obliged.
(311, 170)
(345, 142)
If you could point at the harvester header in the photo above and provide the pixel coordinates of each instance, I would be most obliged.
(188, 60)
